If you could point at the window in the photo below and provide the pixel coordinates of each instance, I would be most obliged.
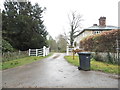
(97, 32)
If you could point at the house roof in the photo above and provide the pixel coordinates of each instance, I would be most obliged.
(100, 28)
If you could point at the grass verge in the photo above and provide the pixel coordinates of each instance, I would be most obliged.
(96, 65)
(21, 61)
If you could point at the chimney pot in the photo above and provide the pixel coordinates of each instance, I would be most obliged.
(94, 24)
(102, 21)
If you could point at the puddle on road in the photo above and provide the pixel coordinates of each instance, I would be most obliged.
(56, 56)
(115, 77)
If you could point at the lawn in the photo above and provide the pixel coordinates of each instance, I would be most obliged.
(21, 61)
(96, 65)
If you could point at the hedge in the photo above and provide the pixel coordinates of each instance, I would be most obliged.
(103, 42)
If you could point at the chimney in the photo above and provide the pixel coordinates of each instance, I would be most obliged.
(102, 21)
(94, 24)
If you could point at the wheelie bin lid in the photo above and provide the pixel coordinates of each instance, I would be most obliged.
(84, 53)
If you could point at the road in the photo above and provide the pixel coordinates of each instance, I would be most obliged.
(56, 72)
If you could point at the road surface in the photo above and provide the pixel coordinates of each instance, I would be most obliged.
(56, 72)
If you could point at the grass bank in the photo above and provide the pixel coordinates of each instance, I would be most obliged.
(21, 61)
(96, 65)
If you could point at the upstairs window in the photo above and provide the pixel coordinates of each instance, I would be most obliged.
(97, 32)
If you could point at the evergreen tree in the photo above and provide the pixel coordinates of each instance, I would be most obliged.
(23, 26)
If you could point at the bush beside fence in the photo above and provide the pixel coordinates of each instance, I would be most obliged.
(7, 56)
(105, 57)
(105, 45)
(104, 42)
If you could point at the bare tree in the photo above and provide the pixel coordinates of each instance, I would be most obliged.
(75, 25)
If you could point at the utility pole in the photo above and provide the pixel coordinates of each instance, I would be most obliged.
(118, 48)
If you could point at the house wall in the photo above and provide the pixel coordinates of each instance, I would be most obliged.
(87, 33)
(83, 35)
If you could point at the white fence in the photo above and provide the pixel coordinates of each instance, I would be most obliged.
(39, 52)
(69, 50)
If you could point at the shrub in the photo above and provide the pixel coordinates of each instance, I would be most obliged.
(8, 56)
(97, 57)
(104, 42)
(6, 46)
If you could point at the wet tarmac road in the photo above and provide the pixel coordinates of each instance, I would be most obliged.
(56, 72)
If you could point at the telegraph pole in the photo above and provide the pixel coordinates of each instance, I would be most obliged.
(118, 48)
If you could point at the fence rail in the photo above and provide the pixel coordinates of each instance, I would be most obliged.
(7, 56)
(39, 52)
(69, 50)
(100, 56)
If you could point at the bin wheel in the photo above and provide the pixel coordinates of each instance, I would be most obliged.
(79, 68)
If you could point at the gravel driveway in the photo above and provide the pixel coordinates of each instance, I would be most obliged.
(56, 72)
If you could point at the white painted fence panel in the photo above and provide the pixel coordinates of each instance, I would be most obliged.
(39, 52)
(32, 52)
(69, 50)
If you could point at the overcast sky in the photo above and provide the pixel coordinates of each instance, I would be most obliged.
(56, 15)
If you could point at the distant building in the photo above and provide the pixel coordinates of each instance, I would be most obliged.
(95, 29)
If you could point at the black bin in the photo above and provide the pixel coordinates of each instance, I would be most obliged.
(84, 60)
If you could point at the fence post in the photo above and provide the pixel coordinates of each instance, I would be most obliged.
(19, 52)
(48, 50)
(67, 50)
(36, 52)
(44, 52)
(29, 51)
(117, 49)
